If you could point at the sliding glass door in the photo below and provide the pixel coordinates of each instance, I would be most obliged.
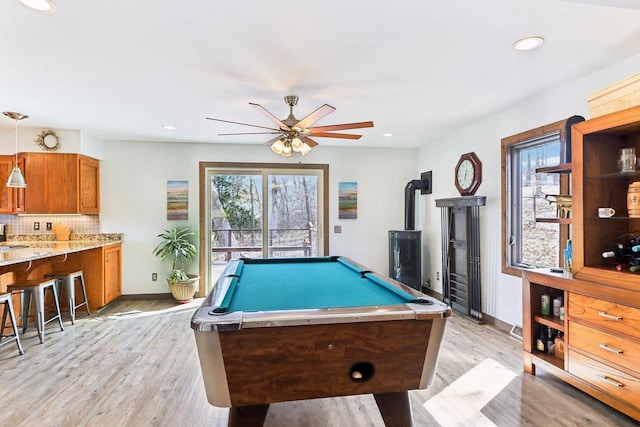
(263, 211)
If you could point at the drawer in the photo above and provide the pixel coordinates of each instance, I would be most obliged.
(616, 317)
(623, 386)
(609, 347)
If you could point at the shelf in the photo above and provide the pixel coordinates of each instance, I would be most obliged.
(561, 168)
(610, 218)
(615, 175)
(555, 220)
(550, 321)
(549, 358)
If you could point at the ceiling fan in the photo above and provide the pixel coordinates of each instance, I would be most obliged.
(293, 134)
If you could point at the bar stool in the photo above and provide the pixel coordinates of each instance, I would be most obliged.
(37, 288)
(8, 309)
(68, 278)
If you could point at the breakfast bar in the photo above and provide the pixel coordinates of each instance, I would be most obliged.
(99, 256)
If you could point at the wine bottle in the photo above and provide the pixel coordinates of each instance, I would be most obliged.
(615, 250)
(551, 340)
(541, 342)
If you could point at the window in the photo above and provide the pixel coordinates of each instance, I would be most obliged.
(536, 202)
(261, 211)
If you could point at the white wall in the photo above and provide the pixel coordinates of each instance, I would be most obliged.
(69, 139)
(502, 294)
(133, 197)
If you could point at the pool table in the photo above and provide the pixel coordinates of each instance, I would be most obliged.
(283, 329)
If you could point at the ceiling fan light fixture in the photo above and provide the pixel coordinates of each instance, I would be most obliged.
(305, 149)
(296, 144)
(286, 151)
(40, 5)
(277, 146)
(528, 43)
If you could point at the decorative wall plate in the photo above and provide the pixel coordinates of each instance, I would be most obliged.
(48, 140)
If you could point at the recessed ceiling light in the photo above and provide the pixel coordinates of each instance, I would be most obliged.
(168, 127)
(40, 5)
(528, 43)
(387, 134)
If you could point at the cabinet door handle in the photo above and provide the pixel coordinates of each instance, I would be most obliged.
(609, 316)
(610, 381)
(611, 349)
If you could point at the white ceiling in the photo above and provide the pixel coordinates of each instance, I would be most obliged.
(121, 69)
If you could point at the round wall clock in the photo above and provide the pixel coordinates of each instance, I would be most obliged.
(48, 140)
(468, 174)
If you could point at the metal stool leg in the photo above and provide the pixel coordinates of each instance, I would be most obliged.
(38, 299)
(80, 278)
(8, 307)
(55, 299)
(25, 299)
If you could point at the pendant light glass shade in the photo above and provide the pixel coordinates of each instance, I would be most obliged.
(16, 179)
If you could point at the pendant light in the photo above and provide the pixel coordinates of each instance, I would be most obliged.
(16, 179)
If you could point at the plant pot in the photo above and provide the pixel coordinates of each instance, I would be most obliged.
(184, 291)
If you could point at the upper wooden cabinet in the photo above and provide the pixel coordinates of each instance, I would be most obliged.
(11, 199)
(57, 183)
(88, 185)
(597, 183)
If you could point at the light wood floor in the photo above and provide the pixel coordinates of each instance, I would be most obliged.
(135, 364)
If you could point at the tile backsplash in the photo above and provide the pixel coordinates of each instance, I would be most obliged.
(88, 224)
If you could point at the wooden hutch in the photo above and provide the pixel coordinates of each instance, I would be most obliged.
(601, 325)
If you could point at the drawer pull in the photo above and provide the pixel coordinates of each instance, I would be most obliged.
(610, 381)
(609, 316)
(611, 349)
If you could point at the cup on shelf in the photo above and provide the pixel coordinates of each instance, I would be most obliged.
(606, 212)
(627, 160)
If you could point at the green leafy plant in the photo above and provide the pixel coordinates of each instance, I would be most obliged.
(176, 246)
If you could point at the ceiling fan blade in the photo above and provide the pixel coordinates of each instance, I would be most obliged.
(269, 116)
(315, 116)
(336, 135)
(310, 142)
(252, 133)
(343, 126)
(271, 141)
(243, 124)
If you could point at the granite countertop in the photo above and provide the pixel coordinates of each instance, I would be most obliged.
(22, 249)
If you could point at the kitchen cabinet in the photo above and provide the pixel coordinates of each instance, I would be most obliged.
(11, 199)
(102, 270)
(112, 273)
(88, 185)
(57, 183)
(602, 323)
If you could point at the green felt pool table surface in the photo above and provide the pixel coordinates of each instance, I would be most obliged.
(307, 283)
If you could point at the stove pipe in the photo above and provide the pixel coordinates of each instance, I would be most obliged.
(410, 203)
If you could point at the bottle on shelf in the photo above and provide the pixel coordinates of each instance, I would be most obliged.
(541, 341)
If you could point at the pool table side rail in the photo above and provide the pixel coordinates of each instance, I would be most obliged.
(204, 320)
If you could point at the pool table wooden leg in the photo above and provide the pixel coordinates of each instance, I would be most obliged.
(395, 408)
(247, 416)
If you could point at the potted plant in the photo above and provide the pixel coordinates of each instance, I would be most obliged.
(176, 246)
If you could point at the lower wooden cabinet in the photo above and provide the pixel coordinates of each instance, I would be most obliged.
(102, 270)
(112, 273)
(601, 336)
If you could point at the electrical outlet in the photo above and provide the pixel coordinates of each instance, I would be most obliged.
(154, 277)
(428, 283)
(36, 226)
(437, 275)
(49, 226)
(337, 229)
